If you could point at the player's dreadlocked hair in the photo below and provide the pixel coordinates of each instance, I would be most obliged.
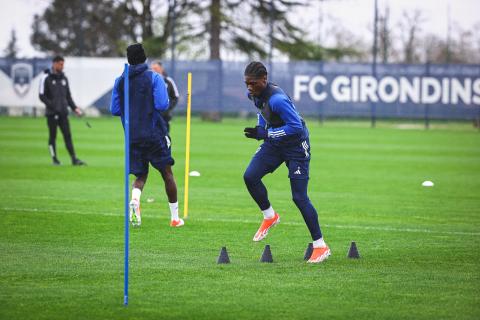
(255, 69)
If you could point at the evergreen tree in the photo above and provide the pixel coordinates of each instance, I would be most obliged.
(11, 51)
(85, 28)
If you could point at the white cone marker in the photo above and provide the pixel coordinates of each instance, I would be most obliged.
(194, 174)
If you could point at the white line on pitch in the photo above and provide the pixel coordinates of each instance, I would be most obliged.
(291, 223)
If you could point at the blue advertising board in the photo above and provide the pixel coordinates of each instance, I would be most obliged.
(413, 91)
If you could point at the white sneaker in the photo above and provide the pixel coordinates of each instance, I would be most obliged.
(135, 217)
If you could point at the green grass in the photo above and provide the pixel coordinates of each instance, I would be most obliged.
(61, 228)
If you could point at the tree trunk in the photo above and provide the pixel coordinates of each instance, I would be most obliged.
(215, 17)
(147, 19)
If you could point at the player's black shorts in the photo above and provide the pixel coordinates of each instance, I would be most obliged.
(158, 153)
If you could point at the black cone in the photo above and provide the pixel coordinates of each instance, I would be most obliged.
(353, 252)
(266, 255)
(223, 257)
(308, 251)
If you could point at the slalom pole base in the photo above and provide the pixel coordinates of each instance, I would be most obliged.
(125, 301)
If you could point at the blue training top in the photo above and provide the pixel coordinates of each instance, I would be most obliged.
(277, 113)
(148, 98)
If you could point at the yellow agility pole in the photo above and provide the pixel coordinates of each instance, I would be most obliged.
(187, 146)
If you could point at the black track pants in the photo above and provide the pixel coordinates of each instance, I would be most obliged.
(61, 121)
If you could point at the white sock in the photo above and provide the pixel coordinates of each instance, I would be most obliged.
(269, 213)
(319, 243)
(173, 210)
(136, 193)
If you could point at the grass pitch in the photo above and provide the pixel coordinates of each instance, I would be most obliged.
(61, 228)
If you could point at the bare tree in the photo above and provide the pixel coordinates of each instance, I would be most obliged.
(385, 35)
(462, 48)
(344, 45)
(477, 40)
(410, 27)
(435, 49)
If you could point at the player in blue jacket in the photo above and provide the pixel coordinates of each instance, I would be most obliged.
(286, 140)
(149, 140)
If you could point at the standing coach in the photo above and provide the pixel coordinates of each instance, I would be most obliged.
(171, 90)
(55, 94)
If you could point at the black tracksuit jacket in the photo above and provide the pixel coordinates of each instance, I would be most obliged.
(55, 93)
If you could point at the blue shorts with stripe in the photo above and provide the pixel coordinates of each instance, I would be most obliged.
(270, 156)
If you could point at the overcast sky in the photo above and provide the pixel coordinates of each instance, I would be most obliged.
(355, 15)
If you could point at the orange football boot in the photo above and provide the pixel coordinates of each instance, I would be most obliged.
(266, 225)
(319, 255)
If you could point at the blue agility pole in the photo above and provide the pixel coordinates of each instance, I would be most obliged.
(127, 170)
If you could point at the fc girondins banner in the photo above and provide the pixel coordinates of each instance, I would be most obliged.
(444, 91)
